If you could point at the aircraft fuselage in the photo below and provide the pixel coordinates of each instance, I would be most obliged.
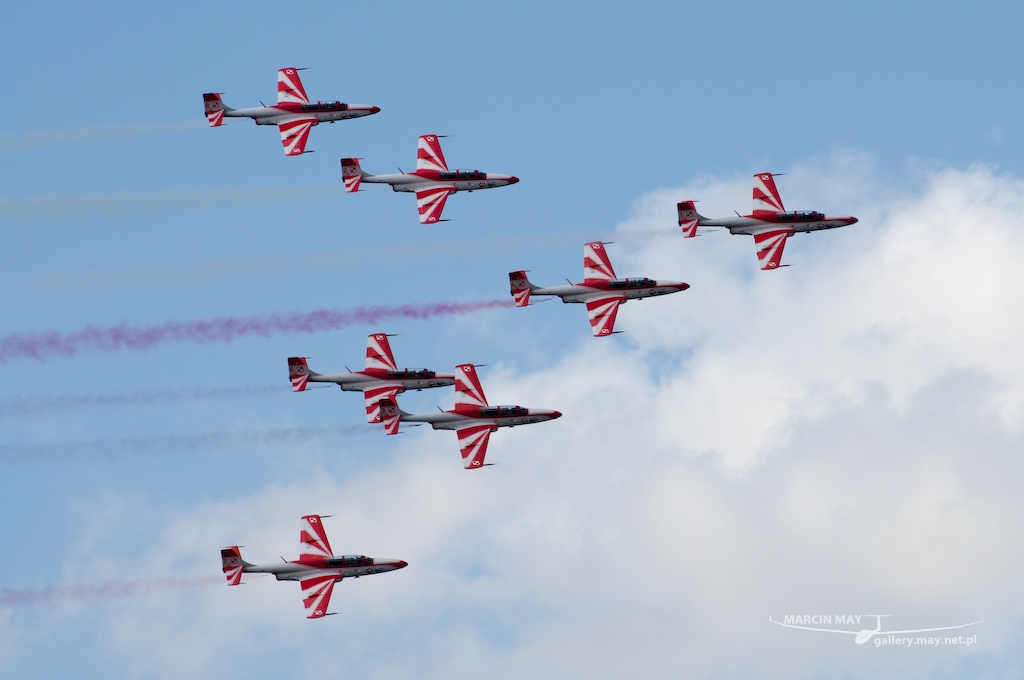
(407, 379)
(760, 220)
(347, 566)
(461, 180)
(324, 112)
(499, 416)
(632, 289)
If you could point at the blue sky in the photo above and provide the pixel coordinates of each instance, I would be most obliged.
(608, 113)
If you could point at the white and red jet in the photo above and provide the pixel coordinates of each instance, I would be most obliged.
(294, 114)
(770, 224)
(381, 379)
(316, 570)
(432, 181)
(472, 418)
(600, 290)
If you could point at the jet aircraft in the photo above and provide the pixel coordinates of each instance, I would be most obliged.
(316, 570)
(600, 290)
(472, 418)
(431, 181)
(769, 223)
(294, 114)
(381, 379)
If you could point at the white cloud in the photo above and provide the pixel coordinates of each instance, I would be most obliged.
(839, 436)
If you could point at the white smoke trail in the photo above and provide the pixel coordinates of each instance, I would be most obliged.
(30, 597)
(182, 442)
(34, 140)
(57, 206)
(202, 272)
(59, 403)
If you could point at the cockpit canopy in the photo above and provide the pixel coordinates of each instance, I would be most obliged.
(801, 216)
(325, 106)
(464, 174)
(348, 561)
(504, 411)
(638, 282)
(412, 373)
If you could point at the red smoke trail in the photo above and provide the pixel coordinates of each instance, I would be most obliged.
(27, 597)
(224, 329)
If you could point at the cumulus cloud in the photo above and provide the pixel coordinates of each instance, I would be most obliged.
(841, 436)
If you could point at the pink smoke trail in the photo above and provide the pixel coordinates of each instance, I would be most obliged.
(29, 597)
(224, 329)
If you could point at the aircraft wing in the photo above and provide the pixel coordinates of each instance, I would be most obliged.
(473, 440)
(430, 201)
(766, 194)
(295, 134)
(603, 311)
(770, 243)
(378, 352)
(316, 595)
(312, 537)
(374, 396)
(429, 155)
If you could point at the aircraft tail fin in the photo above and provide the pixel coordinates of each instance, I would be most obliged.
(391, 415)
(233, 565)
(689, 218)
(352, 173)
(298, 371)
(521, 287)
(215, 108)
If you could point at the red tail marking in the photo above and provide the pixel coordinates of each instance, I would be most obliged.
(298, 371)
(231, 564)
(390, 416)
(687, 218)
(351, 174)
(520, 287)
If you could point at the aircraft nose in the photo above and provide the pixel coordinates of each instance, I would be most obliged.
(513, 179)
(374, 109)
(386, 562)
(854, 220)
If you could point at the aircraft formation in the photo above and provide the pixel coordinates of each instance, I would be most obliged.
(472, 418)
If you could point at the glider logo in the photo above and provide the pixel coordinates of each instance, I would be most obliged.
(882, 637)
